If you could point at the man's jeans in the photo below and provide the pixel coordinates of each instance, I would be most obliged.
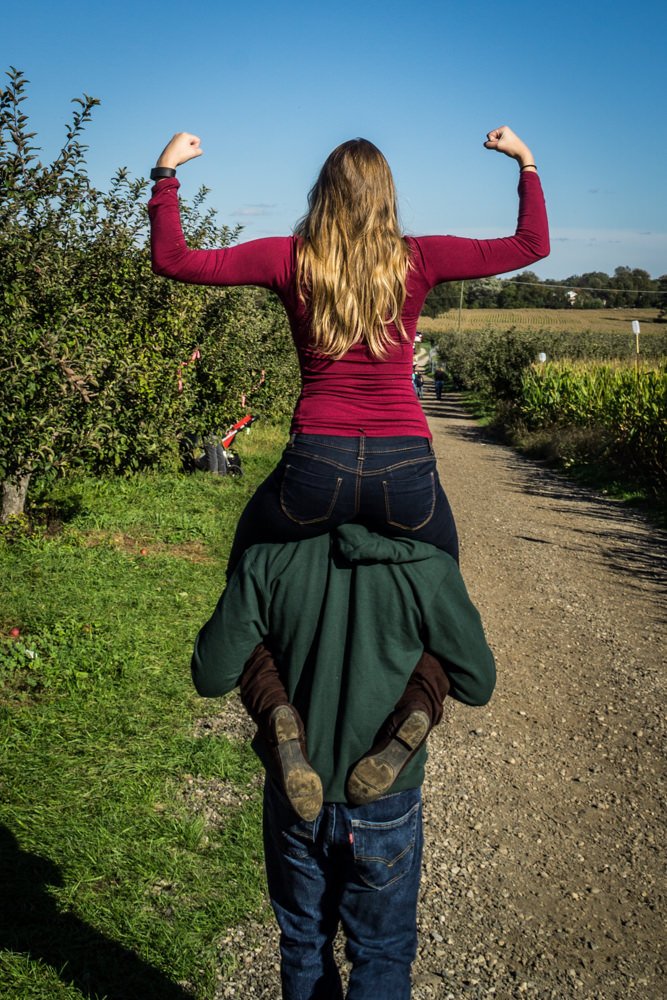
(359, 866)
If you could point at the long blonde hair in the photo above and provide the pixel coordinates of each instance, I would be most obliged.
(352, 259)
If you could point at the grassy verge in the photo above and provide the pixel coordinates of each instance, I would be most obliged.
(573, 450)
(112, 886)
(562, 448)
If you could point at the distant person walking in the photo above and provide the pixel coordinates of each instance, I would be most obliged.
(439, 382)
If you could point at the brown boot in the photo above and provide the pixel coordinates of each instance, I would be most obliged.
(375, 773)
(265, 699)
(301, 783)
(402, 734)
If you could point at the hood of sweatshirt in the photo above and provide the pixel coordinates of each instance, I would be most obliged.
(356, 544)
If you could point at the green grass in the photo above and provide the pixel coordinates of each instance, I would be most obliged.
(551, 446)
(112, 885)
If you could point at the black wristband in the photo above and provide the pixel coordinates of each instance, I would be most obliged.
(526, 165)
(157, 173)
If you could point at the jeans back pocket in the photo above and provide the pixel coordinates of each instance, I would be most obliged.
(308, 495)
(409, 496)
(384, 852)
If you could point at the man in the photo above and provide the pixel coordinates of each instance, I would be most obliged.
(439, 382)
(347, 616)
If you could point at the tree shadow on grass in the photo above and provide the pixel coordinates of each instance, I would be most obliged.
(31, 924)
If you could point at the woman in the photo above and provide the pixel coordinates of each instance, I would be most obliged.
(353, 287)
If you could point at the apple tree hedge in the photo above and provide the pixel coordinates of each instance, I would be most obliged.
(103, 365)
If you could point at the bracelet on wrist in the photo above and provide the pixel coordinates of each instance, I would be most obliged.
(526, 165)
(157, 173)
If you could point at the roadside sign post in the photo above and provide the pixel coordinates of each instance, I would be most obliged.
(635, 330)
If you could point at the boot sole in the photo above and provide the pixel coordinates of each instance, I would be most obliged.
(374, 775)
(284, 725)
(301, 782)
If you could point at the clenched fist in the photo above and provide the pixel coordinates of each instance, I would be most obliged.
(504, 140)
(181, 148)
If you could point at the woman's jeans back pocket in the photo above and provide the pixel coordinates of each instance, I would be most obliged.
(308, 494)
(409, 495)
(384, 852)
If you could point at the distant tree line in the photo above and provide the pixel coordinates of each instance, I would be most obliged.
(628, 287)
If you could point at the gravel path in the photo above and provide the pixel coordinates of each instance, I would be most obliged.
(544, 820)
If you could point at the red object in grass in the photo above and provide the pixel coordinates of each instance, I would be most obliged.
(143, 552)
(15, 632)
(233, 431)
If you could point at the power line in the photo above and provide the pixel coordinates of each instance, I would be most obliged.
(586, 288)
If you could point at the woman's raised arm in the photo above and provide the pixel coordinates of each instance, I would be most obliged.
(456, 258)
(265, 262)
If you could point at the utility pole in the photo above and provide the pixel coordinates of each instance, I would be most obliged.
(635, 330)
(460, 306)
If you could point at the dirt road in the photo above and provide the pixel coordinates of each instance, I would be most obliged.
(545, 811)
(544, 814)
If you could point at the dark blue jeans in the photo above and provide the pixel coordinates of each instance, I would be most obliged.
(390, 484)
(358, 866)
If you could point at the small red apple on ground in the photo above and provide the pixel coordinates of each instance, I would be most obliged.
(15, 632)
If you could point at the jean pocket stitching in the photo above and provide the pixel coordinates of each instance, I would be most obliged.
(295, 452)
(292, 851)
(404, 464)
(378, 859)
(369, 866)
(298, 840)
(398, 524)
(387, 824)
(312, 520)
(383, 865)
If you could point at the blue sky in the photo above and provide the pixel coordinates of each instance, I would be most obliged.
(272, 87)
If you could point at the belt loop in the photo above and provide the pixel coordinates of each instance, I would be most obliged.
(361, 450)
(292, 440)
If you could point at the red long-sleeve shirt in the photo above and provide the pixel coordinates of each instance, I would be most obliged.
(357, 394)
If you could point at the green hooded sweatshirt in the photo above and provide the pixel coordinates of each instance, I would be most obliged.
(347, 616)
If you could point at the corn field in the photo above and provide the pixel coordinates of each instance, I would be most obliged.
(582, 321)
(627, 404)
